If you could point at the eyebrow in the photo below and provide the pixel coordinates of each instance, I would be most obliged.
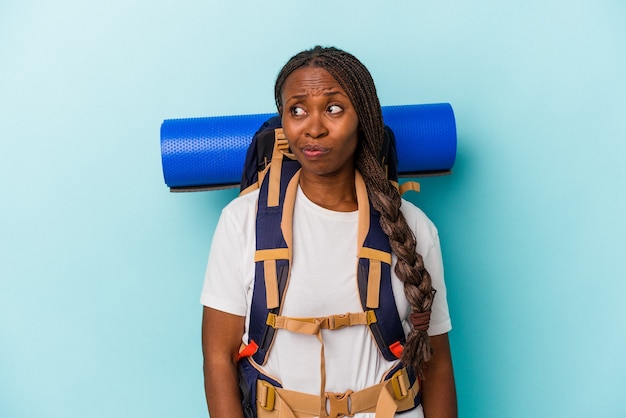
(326, 94)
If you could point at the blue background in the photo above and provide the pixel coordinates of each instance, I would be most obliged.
(101, 267)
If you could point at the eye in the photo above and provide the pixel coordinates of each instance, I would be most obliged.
(334, 109)
(297, 111)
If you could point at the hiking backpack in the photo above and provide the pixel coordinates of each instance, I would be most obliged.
(269, 166)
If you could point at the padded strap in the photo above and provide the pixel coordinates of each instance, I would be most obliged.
(375, 256)
(374, 273)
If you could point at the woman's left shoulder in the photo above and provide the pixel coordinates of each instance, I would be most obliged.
(418, 221)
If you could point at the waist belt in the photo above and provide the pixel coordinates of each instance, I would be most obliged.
(384, 399)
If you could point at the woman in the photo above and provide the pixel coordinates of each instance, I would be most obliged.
(332, 120)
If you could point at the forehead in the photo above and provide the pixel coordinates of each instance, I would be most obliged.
(310, 81)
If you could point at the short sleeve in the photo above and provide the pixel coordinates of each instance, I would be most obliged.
(440, 322)
(230, 267)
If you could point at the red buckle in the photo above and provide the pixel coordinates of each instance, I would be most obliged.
(396, 348)
(248, 350)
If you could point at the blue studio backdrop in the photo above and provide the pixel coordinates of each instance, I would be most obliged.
(101, 266)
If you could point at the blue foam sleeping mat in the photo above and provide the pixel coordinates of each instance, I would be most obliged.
(208, 153)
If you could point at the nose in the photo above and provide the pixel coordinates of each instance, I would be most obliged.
(316, 128)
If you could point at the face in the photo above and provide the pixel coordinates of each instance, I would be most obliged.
(319, 122)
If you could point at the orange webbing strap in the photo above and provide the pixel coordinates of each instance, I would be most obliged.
(269, 258)
(406, 186)
(376, 257)
(373, 284)
(409, 186)
(385, 399)
(286, 224)
(312, 326)
(364, 211)
(280, 147)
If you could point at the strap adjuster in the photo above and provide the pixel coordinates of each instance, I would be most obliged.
(271, 319)
(267, 397)
(400, 384)
(371, 317)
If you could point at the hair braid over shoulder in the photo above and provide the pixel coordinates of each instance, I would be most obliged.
(356, 80)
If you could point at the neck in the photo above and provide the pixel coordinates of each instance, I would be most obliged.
(333, 193)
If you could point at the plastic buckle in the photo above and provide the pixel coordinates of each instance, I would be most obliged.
(268, 396)
(339, 404)
(400, 384)
(339, 321)
(396, 349)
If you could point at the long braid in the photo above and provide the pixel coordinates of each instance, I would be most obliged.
(356, 80)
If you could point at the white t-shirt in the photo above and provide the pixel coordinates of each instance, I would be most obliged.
(323, 282)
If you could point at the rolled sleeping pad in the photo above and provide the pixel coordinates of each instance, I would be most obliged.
(208, 153)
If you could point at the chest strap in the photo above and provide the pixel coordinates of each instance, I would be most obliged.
(311, 326)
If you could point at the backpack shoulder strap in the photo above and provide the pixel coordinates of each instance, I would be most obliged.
(272, 256)
(374, 278)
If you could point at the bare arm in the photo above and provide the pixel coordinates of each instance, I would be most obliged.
(221, 339)
(438, 388)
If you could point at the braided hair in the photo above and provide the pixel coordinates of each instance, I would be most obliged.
(357, 82)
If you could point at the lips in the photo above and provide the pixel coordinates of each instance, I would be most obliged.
(314, 151)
